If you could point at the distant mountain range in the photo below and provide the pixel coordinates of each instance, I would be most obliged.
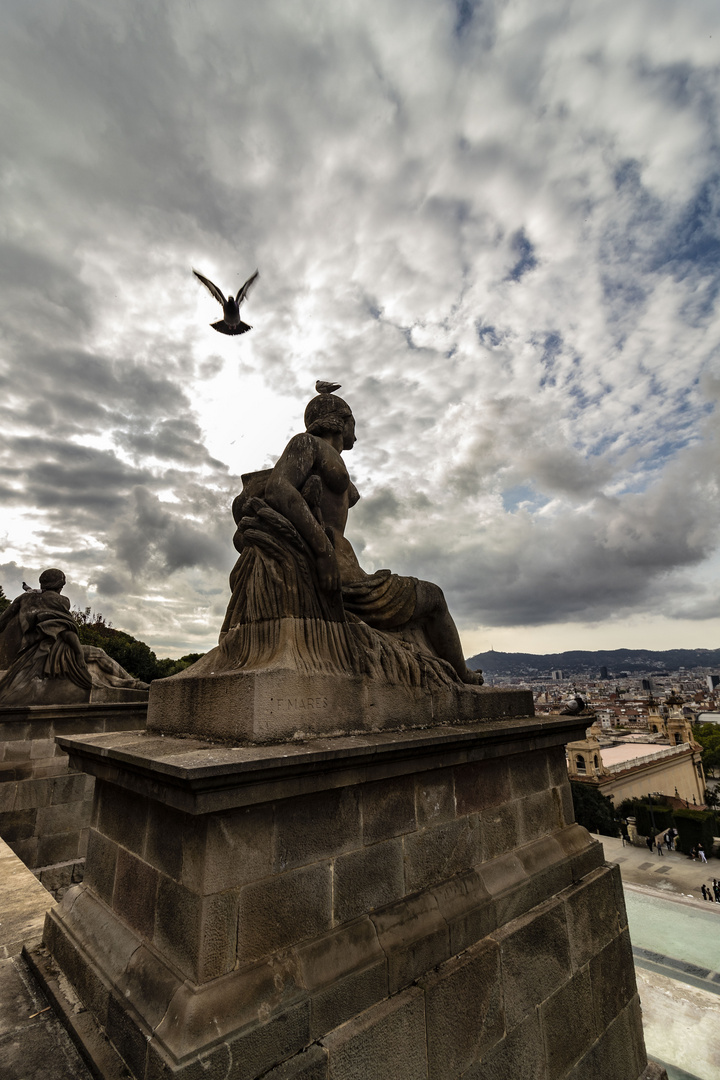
(583, 662)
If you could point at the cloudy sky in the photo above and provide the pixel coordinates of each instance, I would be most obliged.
(494, 222)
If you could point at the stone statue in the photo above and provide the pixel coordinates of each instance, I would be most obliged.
(47, 663)
(311, 644)
(296, 563)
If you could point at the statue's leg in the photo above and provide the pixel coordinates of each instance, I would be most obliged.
(432, 612)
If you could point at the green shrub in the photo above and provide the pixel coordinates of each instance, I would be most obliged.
(695, 827)
(593, 810)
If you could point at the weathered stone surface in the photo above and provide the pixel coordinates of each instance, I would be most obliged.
(59, 847)
(198, 934)
(619, 1053)
(592, 914)
(316, 827)
(310, 1064)
(613, 979)
(388, 809)
(528, 774)
(347, 997)
(435, 797)
(480, 785)
(63, 817)
(467, 908)
(519, 1055)
(228, 1007)
(122, 816)
(414, 936)
(499, 828)
(227, 850)
(368, 879)
(284, 910)
(385, 1041)
(463, 1009)
(128, 1040)
(167, 834)
(538, 814)
(535, 958)
(270, 1043)
(568, 1024)
(336, 954)
(440, 851)
(135, 892)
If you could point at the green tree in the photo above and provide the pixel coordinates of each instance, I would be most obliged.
(4, 602)
(593, 810)
(708, 735)
(135, 656)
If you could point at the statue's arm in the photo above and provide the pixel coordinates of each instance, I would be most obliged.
(282, 493)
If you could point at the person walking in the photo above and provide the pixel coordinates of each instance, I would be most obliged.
(650, 843)
(716, 890)
(659, 848)
(701, 853)
(668, 840)
(693, 853)
(704, 891)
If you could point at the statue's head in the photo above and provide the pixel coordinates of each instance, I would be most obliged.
(52, 580)
(328, 414)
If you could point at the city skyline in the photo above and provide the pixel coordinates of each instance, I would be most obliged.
(495, 225)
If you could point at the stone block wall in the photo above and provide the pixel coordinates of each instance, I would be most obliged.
(432, 924)
(44, 806)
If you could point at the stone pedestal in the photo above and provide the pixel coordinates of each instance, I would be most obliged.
(44, 806)
(403, 905)
(281, 703)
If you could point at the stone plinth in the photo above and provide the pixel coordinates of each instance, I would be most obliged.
(408, 905)
(280, 703)
(44, 805)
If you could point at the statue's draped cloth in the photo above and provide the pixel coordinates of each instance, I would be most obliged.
(279, 615)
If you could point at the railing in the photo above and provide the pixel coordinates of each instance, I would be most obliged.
(666, 752)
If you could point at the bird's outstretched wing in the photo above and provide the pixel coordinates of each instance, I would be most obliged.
(209, 285)
(245, 289)
(223, 328)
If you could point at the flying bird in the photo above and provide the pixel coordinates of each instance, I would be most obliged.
(231, 323)
(326, 387)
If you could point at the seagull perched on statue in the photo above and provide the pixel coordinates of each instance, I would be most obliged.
(326, 387)
(231, 323)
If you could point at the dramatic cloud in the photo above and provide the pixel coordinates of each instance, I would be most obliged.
(495, 223)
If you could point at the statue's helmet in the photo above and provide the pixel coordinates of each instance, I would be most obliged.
(53, 579)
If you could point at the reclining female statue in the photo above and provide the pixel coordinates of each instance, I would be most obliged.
(298, 585)
(48, 664)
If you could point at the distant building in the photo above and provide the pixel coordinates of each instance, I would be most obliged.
(558, 676)
(604, 672)
(632, 770)
(713, 681)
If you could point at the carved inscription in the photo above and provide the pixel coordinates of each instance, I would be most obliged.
(295, 704)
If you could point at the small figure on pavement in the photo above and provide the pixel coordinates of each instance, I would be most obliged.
(650, 843)
(668, 840)
(701, 853)
(704, 891)
(659, 847)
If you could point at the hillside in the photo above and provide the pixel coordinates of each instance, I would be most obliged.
(581, 662)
